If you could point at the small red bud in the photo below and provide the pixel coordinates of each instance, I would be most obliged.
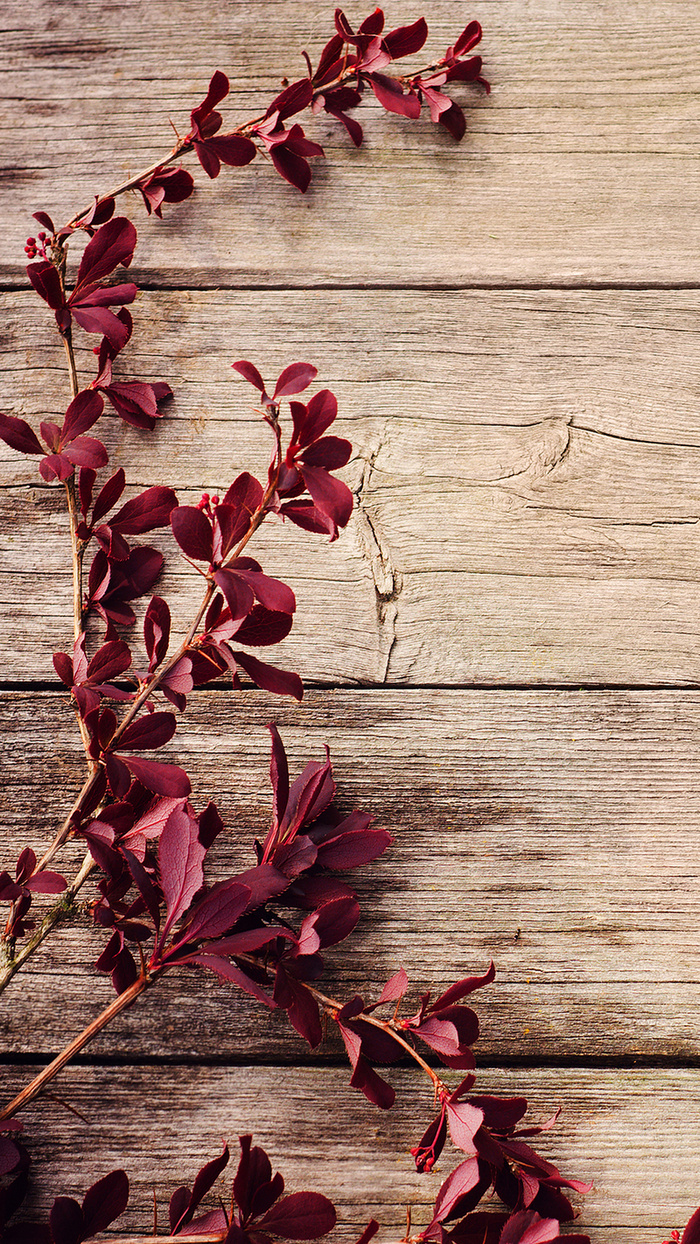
(215, 500)
(32, 241)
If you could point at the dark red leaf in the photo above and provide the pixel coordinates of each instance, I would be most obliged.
(66, 1221)
(691, 1235)
(162, 779)
(152, 731)
(462, 1179)
(305, 515)
(47, 283)
(156, 630)
(249, 373)
(301, 1216)
(470, 36)
(353, 849)
(330, 452)
(406, 39)
(218, 911)
(230, 972)
(263, 627)
(109, 495)
(86, 451)
(192, 530)
(46, 882)
(104, 1202)
(464, 987)
(279, 773)
(218, 90)
(236, 592)
(180, 859)
(100, 320)
(272, 593)
(18, 435)
(112, 659)
(376, 1090)
(113, 244)
(454, 121)
(269, 677)
(152, 508)
(294, 379)
(390, 94)
(231, 149)
(329, 495)
(84, 410)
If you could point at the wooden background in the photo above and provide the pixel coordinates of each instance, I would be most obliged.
(503, 650)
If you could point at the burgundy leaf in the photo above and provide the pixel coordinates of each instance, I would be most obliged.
(112, 659)
(218, 90)
(46, 882)
(376, 1090)
(180, 858)
(406, 39)
(230, 972)
(236, 592)
(395, 987)
(301, 1216)
(109, 495)
(249, 373)
(301, 1007)
(390, 94)
(263, 627)
(329, 495)
(353, 849)
(470, 36)
(279, 774)
(464, 1122)
(462, 1180)
(18, 435)
(691, 1235)
(66, 1221)
(464, 987)
(330, 452)
(86, 451)
(192, 530)
(206, 1177)
(162, 779)
(294, 98)
(152, 508)
(153, 730)
(47, 283)
(113, 244)
(104, 1202)
(231, 149)
(84, 410)
(294, 379)
(218, 911)
(270, 678)
(156, 630)
(272, 593)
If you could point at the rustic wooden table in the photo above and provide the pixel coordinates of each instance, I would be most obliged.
(502, 650)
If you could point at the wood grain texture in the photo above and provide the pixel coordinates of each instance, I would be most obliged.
(554, 435)
(557, 833)
(635, 1132)
(581, 167)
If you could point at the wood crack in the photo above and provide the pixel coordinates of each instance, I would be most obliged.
(387, 579)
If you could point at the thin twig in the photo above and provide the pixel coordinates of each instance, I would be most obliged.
(119, 1004)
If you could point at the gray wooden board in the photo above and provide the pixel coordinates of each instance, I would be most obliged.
(554, 437)
(636, 1133)
(581, 167)
(555, 832)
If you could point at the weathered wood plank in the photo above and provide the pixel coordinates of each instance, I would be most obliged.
(554, 437)
(635, 1133)
(558, 180)
(557, 832)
